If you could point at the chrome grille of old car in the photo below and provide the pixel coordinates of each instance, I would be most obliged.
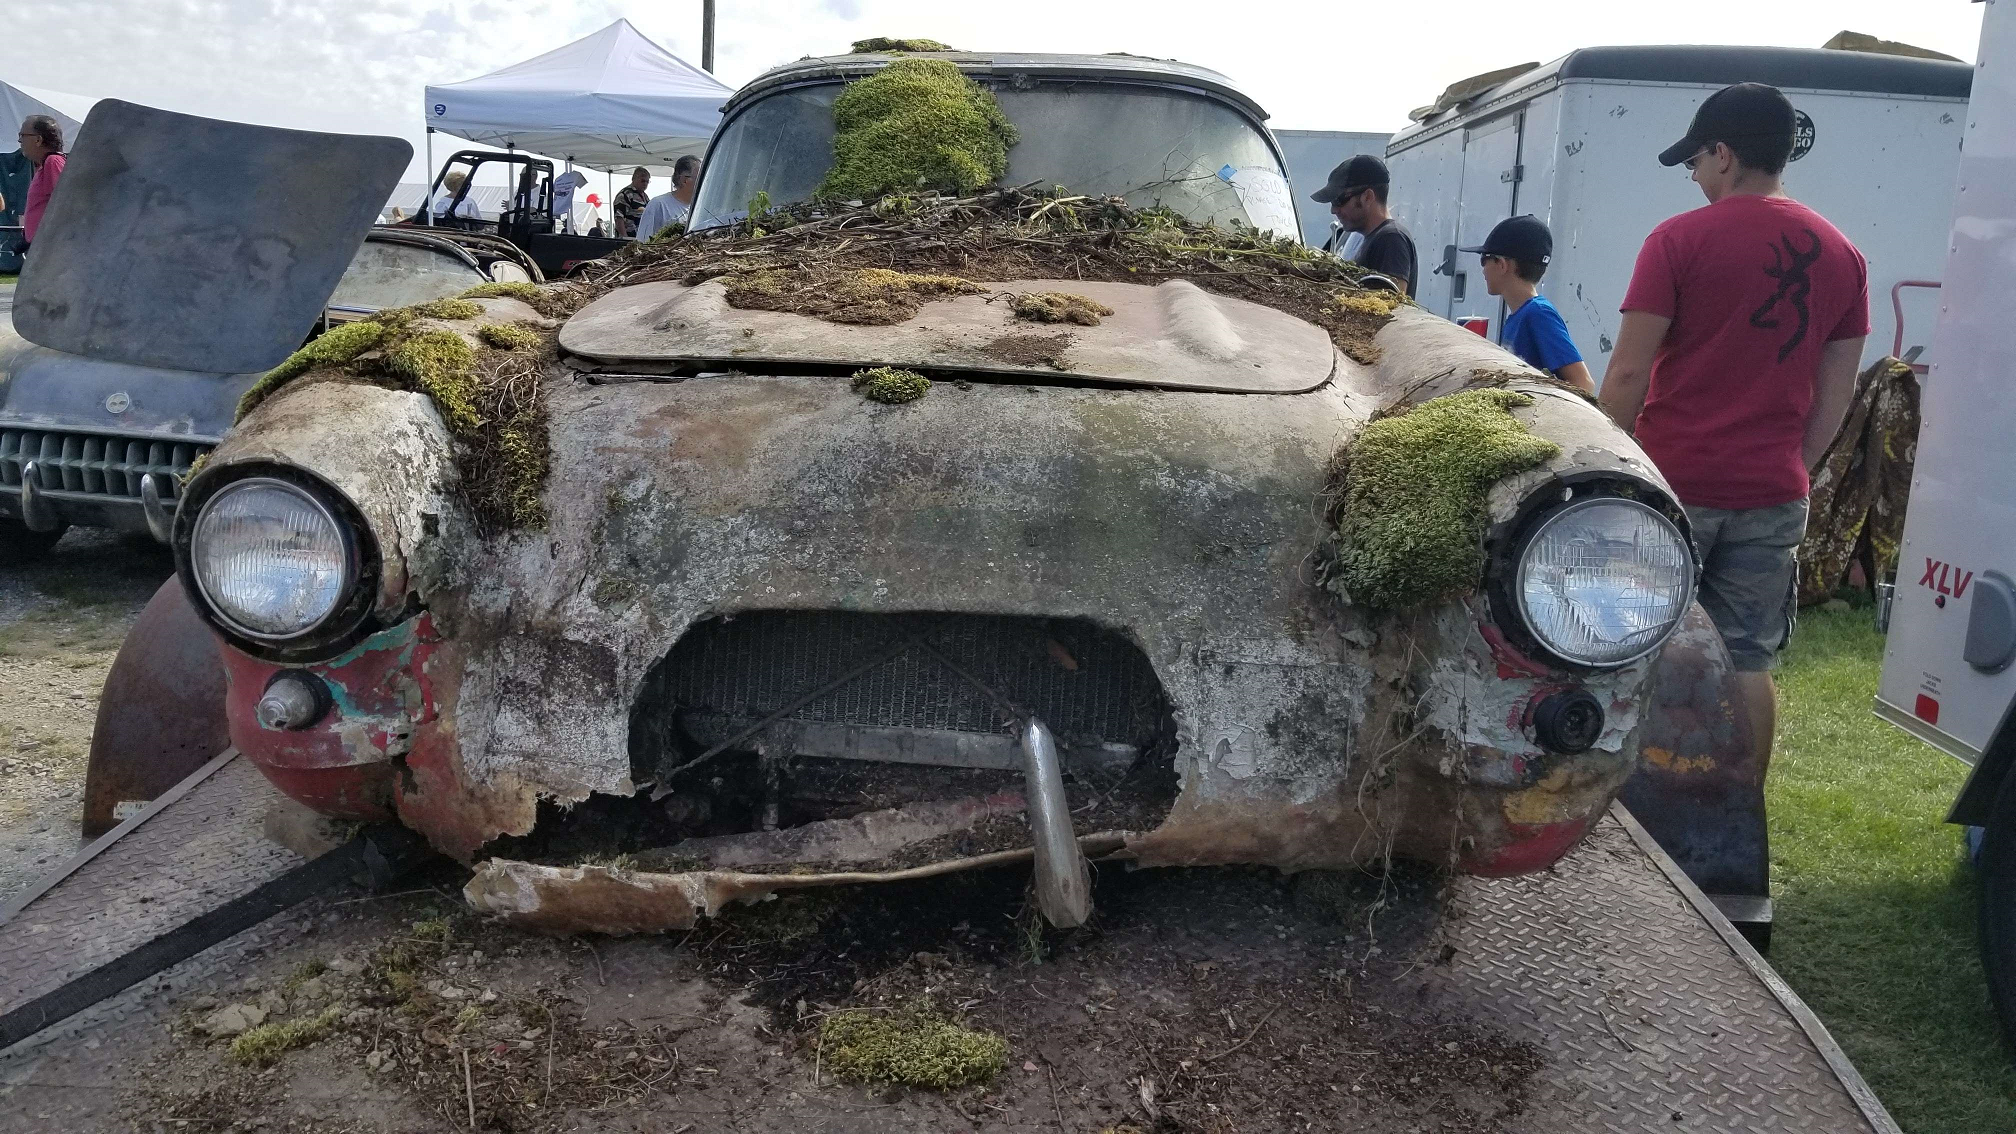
(94, 464)
(1093, 687)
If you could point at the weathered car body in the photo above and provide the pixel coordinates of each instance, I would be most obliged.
(790, 637)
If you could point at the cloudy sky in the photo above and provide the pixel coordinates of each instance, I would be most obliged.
(360, 65)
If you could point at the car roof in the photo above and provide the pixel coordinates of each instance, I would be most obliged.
(1010, 64)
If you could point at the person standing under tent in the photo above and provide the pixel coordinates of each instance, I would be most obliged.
(1735, 364)
(668, 209)
(41, 140)
(630, 202)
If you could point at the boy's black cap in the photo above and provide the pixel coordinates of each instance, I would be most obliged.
(1746, 110)
(1352, 175)
(1523, 238)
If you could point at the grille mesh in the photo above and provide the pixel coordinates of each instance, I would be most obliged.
(754, 664)
(92, 463)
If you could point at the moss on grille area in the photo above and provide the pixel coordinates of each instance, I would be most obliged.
(915, 1047)
(916, 124)
(1411, 528)
(890, 385)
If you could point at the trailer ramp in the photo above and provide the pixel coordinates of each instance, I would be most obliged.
(1652, 1011)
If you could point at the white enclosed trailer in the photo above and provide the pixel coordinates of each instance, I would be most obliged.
(1947, 672)
(1310, 156)
(1575, 142)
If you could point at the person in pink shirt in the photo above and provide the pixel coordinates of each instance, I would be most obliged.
(41, 143)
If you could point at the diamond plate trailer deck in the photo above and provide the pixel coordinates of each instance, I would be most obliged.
(1651, 1011)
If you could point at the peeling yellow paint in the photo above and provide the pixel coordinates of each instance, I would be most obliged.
(1556, 799)
(1663, 759)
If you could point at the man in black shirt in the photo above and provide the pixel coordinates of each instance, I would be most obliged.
(1356, 194)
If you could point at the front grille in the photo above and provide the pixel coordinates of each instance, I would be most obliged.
(94, 464)
(1090, 685)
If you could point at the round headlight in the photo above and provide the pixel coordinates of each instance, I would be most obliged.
(272, 561)
(1603, 581)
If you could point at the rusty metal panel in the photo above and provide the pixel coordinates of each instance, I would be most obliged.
(161, 713)
(1175, 336)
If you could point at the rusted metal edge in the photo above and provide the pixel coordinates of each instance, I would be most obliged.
(161, 803)
(1837, 1060)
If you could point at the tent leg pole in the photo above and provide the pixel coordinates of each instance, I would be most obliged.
(427, 198)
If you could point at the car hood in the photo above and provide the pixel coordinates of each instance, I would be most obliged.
(1173, 335)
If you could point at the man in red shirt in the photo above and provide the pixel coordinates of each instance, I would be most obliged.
(41, 143)
(1734, 367)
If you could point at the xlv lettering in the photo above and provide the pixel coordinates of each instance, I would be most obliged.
(1945, 578)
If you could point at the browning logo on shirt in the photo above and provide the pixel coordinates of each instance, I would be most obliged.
(1789, 266)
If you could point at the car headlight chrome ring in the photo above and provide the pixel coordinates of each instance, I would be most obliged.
(272, 561)
(1603, 581)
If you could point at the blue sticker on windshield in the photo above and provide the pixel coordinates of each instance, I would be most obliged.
(1226, 172)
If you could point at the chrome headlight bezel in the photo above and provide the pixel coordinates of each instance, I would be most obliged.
(348, 620)
(1507, 598)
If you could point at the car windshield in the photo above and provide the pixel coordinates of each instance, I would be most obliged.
(1150, 145)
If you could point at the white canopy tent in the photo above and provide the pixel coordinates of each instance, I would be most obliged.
(18, 102)
(611, 101)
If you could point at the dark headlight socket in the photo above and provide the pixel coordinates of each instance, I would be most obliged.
(351, 622)
(1507, 541)
(1568, 722)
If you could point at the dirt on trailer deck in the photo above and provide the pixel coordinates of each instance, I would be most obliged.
(61, 622)
(1209, 1000)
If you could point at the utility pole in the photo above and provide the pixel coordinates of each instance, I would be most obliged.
(707, 36)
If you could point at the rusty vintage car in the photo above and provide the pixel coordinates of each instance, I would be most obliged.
(775, 635)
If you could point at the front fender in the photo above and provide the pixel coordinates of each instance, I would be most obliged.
(161, 714)
(1699, 790)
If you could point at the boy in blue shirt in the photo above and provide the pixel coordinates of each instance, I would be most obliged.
(1515, 256)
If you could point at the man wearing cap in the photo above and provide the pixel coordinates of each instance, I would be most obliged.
(1735, 364)
(1515, 256)
(1356, 194)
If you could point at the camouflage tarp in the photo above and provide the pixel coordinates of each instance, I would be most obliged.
(1857, 506)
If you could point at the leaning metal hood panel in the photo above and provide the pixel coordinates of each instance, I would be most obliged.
(1174, 335)
(195, 244)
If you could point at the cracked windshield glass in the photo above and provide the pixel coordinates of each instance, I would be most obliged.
(1181, 151)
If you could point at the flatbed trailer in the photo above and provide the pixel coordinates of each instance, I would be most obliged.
(1649, 1009)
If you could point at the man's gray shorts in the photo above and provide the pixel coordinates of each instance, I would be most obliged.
(1750, 577)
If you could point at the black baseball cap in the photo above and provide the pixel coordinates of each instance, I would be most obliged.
(1523, 238)
(1746, 110)
(1352, 175)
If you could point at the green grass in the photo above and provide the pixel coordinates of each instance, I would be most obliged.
(1875, 903)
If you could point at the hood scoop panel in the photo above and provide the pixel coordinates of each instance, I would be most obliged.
(1173, 335)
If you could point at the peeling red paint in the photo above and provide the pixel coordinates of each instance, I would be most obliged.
(1511, 663)
(1527, 848)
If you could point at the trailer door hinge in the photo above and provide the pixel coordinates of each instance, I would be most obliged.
(1514, 175)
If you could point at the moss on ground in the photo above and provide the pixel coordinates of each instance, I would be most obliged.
(871, 296)
(334, 348)
(510, 336)
(914, 1046)
(916, 124)
(1411, 529)
(1058, 307)
(264, 1045)
(890, 385)
(880, 44)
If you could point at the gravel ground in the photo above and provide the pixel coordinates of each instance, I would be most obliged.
(61, 623)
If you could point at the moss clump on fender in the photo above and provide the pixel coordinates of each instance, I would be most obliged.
(335, 348)
(510, 336)
(442, 365)
(446, 309)
(914, 1046)
(890, 385)
(1411, 530)
(917, 123)
(880, 44)
(510, 289)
